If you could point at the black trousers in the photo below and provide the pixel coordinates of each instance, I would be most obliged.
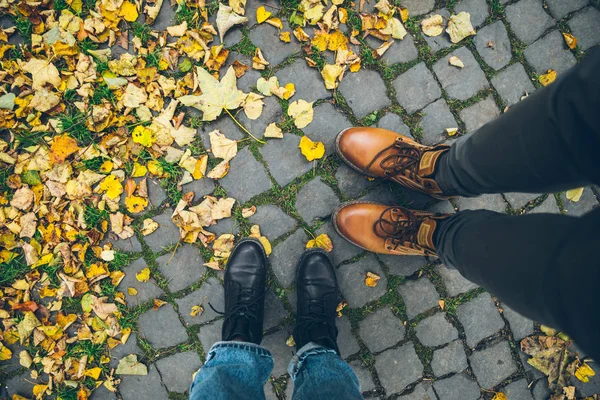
(545, 266)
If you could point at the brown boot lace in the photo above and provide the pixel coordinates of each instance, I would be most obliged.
(399, 230)
(405, 160)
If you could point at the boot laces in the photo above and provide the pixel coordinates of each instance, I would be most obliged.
(400, 230)
(247, 306)
(317, 315)
(405, 160)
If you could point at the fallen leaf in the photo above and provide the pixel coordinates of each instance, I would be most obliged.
(5, 353)
(129, 365)
(570, 40)
(285, 37)
(43, 72)
(311, 150)
(143, 135)
(331, 75)
(219, 171)
(221, 147)
(266, 86)
(584, 372)
(226, 19)
(276, 22)
(253, 105)
(322, 242)
(262, 14)
(136, 204)
(25, 359)
(248, 212)
(196, 310)
(213, 265)
(149, 226)
(158, 304)
(143, 275)
(302, 112)
(403, 13)
(371, 279)
(548, 77)
(132, 291)
(569, 392)
(455, 61)
(258, 61)
(273, 131)
(62, 147)
(266, 245)
(238, 6)
(499, 396)
(223, 245)
(128, 11)
(574, 195)
(380, 51)
(442, 304)
(290, 342)
(432, 26)
(340, 307)
(451, 131)
(459, 27)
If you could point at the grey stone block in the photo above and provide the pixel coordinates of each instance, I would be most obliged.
(541, 391)
(436, 118)
(326, 125)
(351, 278)
(560, 8)
(183, 268)
(211, 290)
(166, 234)
(480, 319)
(274, 311)
(350, 182)
(284, 159)
(281, 352)
(512, 84)
(418, 7)
(449, 359)
(272, 112)
(437, 43)
(518, 390)
(435, 331)
(345, 340)
(143, 386)
(460, 83)
(401, 51)
(316, 200)
(586, 27)
(477, 8)
(241, 185)
(308, 81)
(416, 88)
(493, 365)
(423, 391)
(550, 52)
(528, 19)
(200, 187)
(393, 122)
(457, 387)
(402, 265)
(381, 330)
(285, 256)
(227, 225)
(22, 385)
(162, 327)
(520, 326)
(123, 350)
(145, 290)
(266, 37)
(102, 393)
(342, 249)
(453, 281)
(419, 296)
(156, 194)
(272, 221)
(586, 203)
(492, 202)
(499, 54)
(548, 206)
(165, 17)
(210, 334)
(519, 200)
(129, 245)
(479, 114)
(365, 92)
(365, 379)
(398, 368)
(177, 370)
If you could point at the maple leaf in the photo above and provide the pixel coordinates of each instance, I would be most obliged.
(227, 18)
(216, 95)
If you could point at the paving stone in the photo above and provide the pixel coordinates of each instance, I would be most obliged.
(418, 7)
(345, 340)
(460, 83)
(284, 160)
(129, 245)
(364, 376)
(592, 387)
(182, 269)
(381, 330)
(21, 385)
(492, 365)
(177, 370)
(492, 202)
(156, 194)
(436, 331)
(308, 81)
(586, 203)
(393, 122)
(436, 118)
(145, 290)
(402, 265)
(498, 55)
(548, 206)
(227, 225)
(442, 207)
(266, 37)
(398, 368)
(225, 125)
(560, 8)
(520, 326)
(326, 125)
(272, 112)
(586, 27)
(365, 92)
(165, 17)
(143, 386)
(477, 8)
(528, 19)
(247, 81)
(518, 390)
(102, 393)
(242, 185)
(316, 200)
(162, 327)
(351, 278)
(437, 43)
(401, 51)
(457, 387)
(550, 52)
(274, 311)
(123, 350)
(211, 290)
(423, 391)
(350, 182)
(479, 114)
(449, 359)
(541, 391)
(342, 249)
(519, 200)
(210, 334)
(453, 281)
(512, 84)
(270, 392)
(480, 319)
(289, 389)
(416, 88)
(167, 233)
(200, 187)
(273, 222)
(232, 36)
(281, 352)
(285, 256)
(419, 296)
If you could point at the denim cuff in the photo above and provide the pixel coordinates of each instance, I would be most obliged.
(247, 346)
(307, 350)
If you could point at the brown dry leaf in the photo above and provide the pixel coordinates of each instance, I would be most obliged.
(323, 241)
(221, 147)
(548, 77)
(239, 68)
(455, 61)
(258, 61)
(371, 279)
(459, 27)
(158, 304)
(570, 40)
(432, 26)
(569, 392)
(340, 307)
(223, 245)
(273, 131)
(149, 226)
(248, 212)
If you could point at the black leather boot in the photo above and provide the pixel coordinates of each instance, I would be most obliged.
(318, 297)
(245, 288)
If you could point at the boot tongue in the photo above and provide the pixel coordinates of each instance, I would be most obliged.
(428, 161)
(425, 234)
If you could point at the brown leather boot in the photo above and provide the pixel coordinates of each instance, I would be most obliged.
(387, 230)
(380, 153)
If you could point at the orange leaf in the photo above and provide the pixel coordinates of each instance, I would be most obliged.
(62, 147)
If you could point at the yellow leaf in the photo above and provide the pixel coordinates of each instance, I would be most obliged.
(44, 260)
(451, 131)
(238, 6)
(455, 61)
(322, 242)
(273, 131)
(290, 342)
(158, 304)
(149, 226)
(343, 15)
(221, 146)
(574, 195)
(111, 186)
(311, 150)
(253, 105)
(302, 112)
(5, 353)
(93, 373)
(301, 35)
(340, 307)
(320, 41)
(331, 74)
(266, 244)
(144, 136)
(196, 310)
(128, 11)
(459, 27)
(570, 40)
(499, 396)
(584, 373)
(143, 275)
(285, 37)
(38, 390)
(337, 41)
(403, 14)
(432, 26)
(156, 169)
(371, 279)
(106, 167)
(442, 304)
(138, 170)
(132, 291)
(262, 14)
(135, 204)
(62, 147)
(25, 359)
(548, 77)
(43, 72)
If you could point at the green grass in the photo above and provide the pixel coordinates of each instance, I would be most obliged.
(94, 217)
(152, 59)
(73, 122)
(24, 26)
(101, 93)
(13, 269)
(141, 31)
(245, 46)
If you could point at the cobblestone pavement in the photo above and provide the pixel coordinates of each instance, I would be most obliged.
(395, 336)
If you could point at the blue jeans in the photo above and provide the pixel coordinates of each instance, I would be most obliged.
(239, 370)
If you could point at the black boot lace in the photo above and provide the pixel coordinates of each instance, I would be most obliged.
(247, 306)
